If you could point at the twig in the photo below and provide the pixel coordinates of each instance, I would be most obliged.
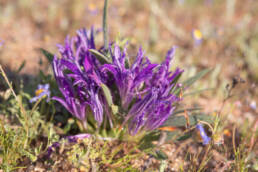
(233, 139)
(234, 146)
(229, 88)
(204, 157)
(206, 123)
(252, 141)
(181, 146)
(223, 160)
(35, 106)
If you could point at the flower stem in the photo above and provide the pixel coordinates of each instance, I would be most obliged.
(105, 34)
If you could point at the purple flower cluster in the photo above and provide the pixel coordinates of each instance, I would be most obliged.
(143, 90)
(78, 74)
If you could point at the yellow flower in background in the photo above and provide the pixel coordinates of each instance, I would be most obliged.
(197, 36)
(39, 91)
(92, 8)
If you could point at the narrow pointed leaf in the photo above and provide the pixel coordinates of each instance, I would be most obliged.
(178, 136)
(21, 66)
(172, 135)
(198, 92)
(146, 141)
(192, 80)
(47, 54)
(180, 121)
(101, 57)
(160, 155)
(107, 94)
(185, 136)
(196, 77)
(188, 110)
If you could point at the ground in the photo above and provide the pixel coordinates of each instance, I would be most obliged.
(229, 46)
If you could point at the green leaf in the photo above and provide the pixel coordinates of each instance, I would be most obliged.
(175, 81)
(188, 110)
(178, 135)
(193, 79)
(172, 135)
(107, 94)
(101, 57)
(127, 63)
(114, 109)
(185, 136)
(197, 92)
(196, 77)
(30, 155)
(152, 136)
(160, 155)
(21, 66)
(47, 54)
(146, 146)
(146, 141)
(180, 121)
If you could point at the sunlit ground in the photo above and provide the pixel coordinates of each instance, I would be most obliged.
(228, 31)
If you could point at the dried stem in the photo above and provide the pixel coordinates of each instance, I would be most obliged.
(19, 103)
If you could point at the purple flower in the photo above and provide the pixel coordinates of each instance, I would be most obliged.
(205, 138)
(52, 148)
(158, 103)
(143, 91)
(129, 80)
(78, 76)
(42, 91)
(148, 84)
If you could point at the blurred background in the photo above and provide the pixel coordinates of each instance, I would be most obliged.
(218, 34)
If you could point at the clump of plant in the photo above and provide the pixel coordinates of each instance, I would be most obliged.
(106, 92)
(115, 99)
(113, 96)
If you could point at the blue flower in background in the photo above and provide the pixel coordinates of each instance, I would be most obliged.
(42, 91)
(205, 138)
